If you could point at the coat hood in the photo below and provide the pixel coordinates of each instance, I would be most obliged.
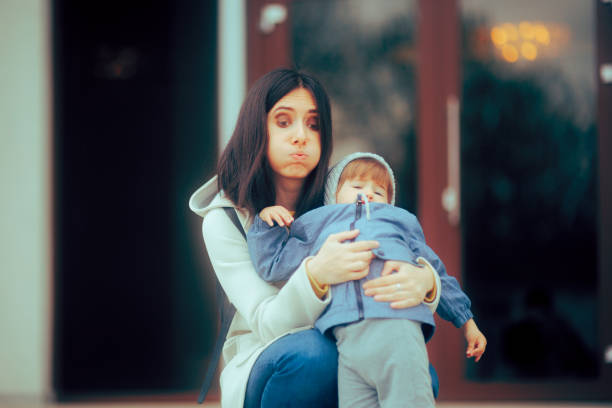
(208, 197)
(334, 175)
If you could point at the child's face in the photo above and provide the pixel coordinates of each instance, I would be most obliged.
(347, 193)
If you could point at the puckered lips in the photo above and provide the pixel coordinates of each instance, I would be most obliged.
(299, 156)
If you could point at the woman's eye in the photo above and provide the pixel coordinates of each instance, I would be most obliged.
(283, 121)
(313, 124)
(358, 187)
(379, 193)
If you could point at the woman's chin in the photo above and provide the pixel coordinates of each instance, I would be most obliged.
(296, 171)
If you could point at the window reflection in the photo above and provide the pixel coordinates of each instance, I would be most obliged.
(364, 53)
(529, 161)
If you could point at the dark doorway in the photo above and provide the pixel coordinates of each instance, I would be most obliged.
(135, 132)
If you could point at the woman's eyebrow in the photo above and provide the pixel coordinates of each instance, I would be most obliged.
(284, 108)
(289, 108)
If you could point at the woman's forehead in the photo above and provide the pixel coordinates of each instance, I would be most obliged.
(298, 99)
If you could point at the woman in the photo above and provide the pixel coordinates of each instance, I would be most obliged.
(279, 155)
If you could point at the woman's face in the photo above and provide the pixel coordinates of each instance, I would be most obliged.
(294, 140)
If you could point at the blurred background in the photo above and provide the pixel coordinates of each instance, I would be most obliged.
(495, 116)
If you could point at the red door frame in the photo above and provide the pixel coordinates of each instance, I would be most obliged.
(438, 78)
(266, 51)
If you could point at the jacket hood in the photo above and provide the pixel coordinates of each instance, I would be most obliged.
(333, 176)
(208, 197)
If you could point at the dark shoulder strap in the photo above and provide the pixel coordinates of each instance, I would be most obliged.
(226, 312)
(231, 213)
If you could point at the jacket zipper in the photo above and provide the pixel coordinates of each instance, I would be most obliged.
(358, 211)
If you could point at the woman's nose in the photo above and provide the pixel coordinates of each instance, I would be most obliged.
(370, 196)
(299, 136)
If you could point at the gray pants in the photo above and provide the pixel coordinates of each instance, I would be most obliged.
(383, 363)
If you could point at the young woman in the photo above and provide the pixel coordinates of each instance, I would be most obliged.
(279, 155)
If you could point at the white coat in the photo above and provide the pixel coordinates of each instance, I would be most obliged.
(264, 312)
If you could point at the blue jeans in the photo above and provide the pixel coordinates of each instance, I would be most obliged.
(299, 370)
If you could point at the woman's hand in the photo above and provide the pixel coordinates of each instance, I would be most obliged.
(338, 262)
(401, 284)
(477, 342)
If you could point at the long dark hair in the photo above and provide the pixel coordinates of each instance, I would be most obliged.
(243, 171)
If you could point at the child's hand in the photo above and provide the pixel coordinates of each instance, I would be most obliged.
(277, 213)
(477, 342)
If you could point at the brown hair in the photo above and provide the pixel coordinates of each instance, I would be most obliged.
(244, 173)
(367, 168)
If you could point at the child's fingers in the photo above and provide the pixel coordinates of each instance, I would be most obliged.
(477, 353)
(287, 217)
(266, 217)
(476, 348)
(480, 348)
(279, 219)
(469, 352)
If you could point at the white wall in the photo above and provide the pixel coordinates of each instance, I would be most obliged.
(231, 60)
(25, 201)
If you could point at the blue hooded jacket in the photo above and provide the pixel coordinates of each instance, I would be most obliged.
(277, 252)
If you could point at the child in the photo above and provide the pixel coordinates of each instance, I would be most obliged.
(382, 354)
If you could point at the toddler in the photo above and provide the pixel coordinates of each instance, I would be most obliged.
(382, 355)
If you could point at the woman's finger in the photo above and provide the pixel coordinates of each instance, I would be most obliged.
(391, 267)
(360, 246)
(385, 290)
(365, 256)
(390, 297)
(343, 236)
(403, 304)
(360, 267)
(357, 266)
(382, 281)
(357, 275)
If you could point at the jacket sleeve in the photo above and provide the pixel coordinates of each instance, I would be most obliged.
(454, 304)
(275, 251)
(269, 311)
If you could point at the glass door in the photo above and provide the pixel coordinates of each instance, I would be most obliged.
(529, 186)
(487, 110)
(364, 54)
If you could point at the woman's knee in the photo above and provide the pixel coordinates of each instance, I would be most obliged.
(312, 354)
(298, 370)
